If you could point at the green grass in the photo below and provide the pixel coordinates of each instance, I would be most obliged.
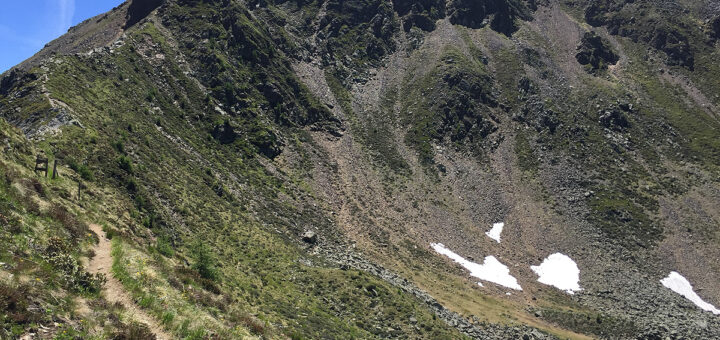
(588, 322)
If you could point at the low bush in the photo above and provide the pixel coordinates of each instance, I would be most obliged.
(14, 303)
(125, 163)
(188, 276)
(255, 326)
(134, 331)
(164, 247)
(205, 262)
(73, 275)
(76, 228)
(82, 170)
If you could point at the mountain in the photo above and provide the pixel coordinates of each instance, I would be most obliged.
(329, 170)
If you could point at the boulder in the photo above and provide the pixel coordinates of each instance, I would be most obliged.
(715, 28)
(309, 237)
(614, 119)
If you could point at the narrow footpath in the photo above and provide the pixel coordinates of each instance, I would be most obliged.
(113, 290)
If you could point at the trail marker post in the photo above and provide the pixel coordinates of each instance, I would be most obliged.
(41, 164)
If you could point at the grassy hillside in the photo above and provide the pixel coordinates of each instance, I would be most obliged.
(278, 169)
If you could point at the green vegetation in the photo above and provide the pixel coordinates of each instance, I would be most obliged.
(205, 261)
(526, 158)
(453, 100)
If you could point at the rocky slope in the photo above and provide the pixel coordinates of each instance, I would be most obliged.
(280, 169)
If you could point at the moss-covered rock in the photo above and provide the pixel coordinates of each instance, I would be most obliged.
(595, 53)
(500, 14)
(664, 28)
(421, 14)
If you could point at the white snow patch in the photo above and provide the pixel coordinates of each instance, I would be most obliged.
(678, 284)
(560, 271)
(491, 270)
(495, 232)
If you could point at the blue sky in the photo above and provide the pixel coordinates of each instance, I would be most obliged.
(27, 25)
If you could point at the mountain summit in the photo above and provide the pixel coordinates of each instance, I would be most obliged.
(361, 169)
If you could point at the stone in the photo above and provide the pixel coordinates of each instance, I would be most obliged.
(309, 237)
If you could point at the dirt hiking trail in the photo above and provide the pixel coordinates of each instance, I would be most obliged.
(113, 289)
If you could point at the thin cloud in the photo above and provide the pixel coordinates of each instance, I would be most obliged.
(67, 12)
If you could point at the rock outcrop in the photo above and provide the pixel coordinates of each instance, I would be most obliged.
(500, 14)
(139, 9)
(595, 53)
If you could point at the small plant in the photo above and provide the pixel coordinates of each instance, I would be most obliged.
(167, 318)
(82, 169)
(164, 247)
(73, 275)
(38, 187)
(125, 163)
(150, 96)
(119, 146)
(255, 326)
(131, 185)
(10, 223)
(109, 232)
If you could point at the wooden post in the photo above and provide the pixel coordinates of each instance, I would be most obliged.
(55, 175)
(41, 164)
(79, 189)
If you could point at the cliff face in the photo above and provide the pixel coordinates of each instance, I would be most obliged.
(282, 168)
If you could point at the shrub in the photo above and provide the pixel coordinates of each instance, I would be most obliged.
(82, 169)
(14, 305)
(38, 187)
(8, 221)
(109, 232)
(131, 185)
(150, 96)
(125, 163)
(167, 318)
(205, 262)
(73, 274)
(134, 331)
(31, 206)
(164, 247)
(119, 146)
(10, 173)
(189, 276)
(255, 326)
(76, 228)
(206, 299)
